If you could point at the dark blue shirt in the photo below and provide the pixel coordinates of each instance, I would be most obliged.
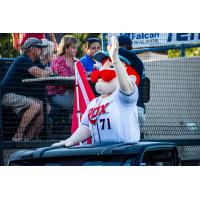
(140, 101)
(12, 82)
(88, 63)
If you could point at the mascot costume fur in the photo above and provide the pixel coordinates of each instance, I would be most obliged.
(111, 117)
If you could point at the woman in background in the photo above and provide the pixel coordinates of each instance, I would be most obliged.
(63, 65)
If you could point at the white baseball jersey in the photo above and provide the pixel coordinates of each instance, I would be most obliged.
(113, 118)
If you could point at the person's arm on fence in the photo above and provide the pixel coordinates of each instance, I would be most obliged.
(38, 72)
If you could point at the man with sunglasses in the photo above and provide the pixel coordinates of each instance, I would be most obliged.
(22, 99)
(111, 117)
(91, 46)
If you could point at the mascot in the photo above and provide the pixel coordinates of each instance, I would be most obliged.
(111, 117)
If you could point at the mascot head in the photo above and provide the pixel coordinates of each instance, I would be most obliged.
(105, 77)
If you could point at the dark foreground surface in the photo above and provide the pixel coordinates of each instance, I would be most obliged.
(105, 154)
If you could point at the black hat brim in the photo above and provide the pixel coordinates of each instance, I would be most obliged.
(135, 61)
(101, 55)
(40, 45)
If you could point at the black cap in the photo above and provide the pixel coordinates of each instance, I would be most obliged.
(125, 56)
(92, 40)
(101, 55)
(134, 60)
(124, 41)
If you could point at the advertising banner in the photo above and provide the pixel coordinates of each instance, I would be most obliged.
(142, 40)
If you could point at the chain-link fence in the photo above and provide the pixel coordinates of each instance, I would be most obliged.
(172, 93)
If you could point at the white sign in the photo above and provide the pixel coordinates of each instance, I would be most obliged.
(141, 40)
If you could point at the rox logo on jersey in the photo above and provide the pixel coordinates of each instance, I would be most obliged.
(95, 112)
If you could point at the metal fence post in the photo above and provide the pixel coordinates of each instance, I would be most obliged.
(104, 41)
(1, 129)
(1, 156)
(182, 51)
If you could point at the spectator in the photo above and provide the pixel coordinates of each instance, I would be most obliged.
(63, 65)
(48, 53)
(18, 97)
(126, 42)
(92, 45)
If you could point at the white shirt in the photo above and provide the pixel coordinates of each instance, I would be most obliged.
(113, 118)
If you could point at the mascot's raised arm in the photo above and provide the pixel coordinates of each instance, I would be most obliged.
(111, 117)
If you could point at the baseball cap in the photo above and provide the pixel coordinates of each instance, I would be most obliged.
(33, 42)
(92, 40)
(101, 55)
(124, 41)
(126, 56)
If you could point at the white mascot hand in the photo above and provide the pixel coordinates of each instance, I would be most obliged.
(124, 80)
(113, 49)
(67, 143)
(61, 143)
